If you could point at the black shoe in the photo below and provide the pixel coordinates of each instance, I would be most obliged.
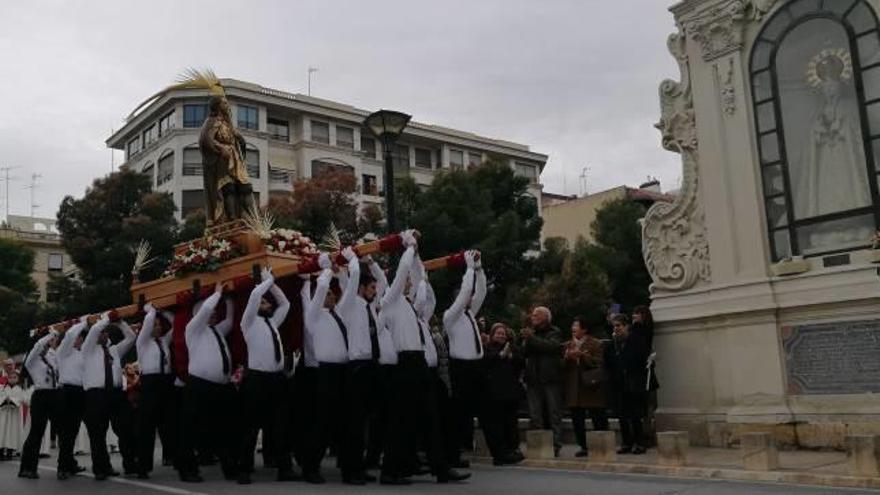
(76, 470)
(288, 475)
(244, 479)
(461, 464)
(101, 476)
(132, 472)
(113, 473)
(63, 475)
(556, 451)
(143, 475)
(394, 480)
(452, 476)
(638, 450)
(499, 462)
(369, 478)
(167, 462)
(625, 450)
(581, 453)
(191, 478)
(314, 478)
(354, 480)
(31, 475)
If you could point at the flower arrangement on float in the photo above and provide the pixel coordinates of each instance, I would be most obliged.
(283, 241)
(202, 256)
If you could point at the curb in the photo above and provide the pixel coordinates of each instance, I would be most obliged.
(717, 473)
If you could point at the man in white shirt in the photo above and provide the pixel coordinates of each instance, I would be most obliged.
(70, 370)
(380, 402)
(330, 340)
(263, 391)
(156, 408)
(106, 403)
(209, 395)
(466, 371)
(414, 390)
(43, 370)
(305, 387)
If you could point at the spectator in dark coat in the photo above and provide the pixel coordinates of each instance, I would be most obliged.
(504, 365)
(542, 347)
(585, 389)
(626, 362)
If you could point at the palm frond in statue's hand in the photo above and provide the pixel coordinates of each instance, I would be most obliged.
(260, 222)
(141, 257)
(332, 240)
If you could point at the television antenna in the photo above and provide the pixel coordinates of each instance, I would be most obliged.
(4, 171)
(33, 188)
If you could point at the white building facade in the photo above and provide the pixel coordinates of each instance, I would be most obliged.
(294, 137)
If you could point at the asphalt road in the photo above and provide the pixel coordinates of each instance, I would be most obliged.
(486, 480)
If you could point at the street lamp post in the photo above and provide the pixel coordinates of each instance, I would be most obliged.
(387, 126)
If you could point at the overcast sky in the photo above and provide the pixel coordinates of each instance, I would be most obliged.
(576, 80)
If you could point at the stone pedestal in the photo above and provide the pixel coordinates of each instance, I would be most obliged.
(673, 448)
(602, 446)
(862, 454)
(481, 448)
(759, 452)
(539, 444)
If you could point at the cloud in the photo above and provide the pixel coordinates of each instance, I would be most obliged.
(576, 80)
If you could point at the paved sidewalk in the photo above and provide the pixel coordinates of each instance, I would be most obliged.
(796, 467)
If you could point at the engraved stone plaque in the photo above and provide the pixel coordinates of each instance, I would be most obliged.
(832, 358)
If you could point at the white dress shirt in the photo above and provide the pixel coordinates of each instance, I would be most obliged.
(154, 354)
(206, 345)
(356, 313)
(400, 315)
(70, 359)
(460, 320)
(308, 351)
(262, 334)
(329, 342)
(42, 364)
(387, 352)
(425, 302)
(93, 355)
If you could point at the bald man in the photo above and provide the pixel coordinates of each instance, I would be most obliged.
(542, 346)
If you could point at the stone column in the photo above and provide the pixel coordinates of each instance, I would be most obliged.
(759, 452)
(673, 448)
(602, 446)
(862, 453)
(539, 444)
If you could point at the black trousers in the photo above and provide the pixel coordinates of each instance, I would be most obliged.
(304, 415)
(468, 392)
(263, 397)
(329, 406)
(155, 413)
(415, 410)
(631, 407)
(209, 420)
(359, 382)
(501, 427)
(380, 413)
(579, 415)
(44, 408)
(445, 415)
(106, 408)
(73, 400)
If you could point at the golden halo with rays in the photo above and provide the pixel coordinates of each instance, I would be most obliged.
(842, 57)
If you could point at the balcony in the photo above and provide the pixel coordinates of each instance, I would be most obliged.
(280, 180)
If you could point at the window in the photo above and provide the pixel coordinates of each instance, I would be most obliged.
(368, 145)
(150, 171)
(423, 158)
(400, 158)
(345, 137)
(813, 60)
(320, 168)
(252, 159)
(56, 262)
(528, 171)
(320, 132)
(166, 168)
(279, 175)
(456, 159)
(151, 134)
(134, 146)
(192, 161)
(475, 159)
(278, 129)
(192, 201)
(248, 117)
(194, 115)
(166, 123)
(369, 185)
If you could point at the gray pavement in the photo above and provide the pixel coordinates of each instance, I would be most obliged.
(486, 480)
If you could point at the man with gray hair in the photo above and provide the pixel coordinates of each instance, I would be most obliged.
(542, 346)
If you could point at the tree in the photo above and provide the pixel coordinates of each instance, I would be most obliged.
(102, 230)
(18, 306)
(619, 251)
(318, 202)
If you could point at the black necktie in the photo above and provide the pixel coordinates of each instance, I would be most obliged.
(161, 355)
(478, 342)
(418, 322)
(108, 367)
(275, 343)
(53, 375)
(342, 328)
(374, 334)
(222, 347)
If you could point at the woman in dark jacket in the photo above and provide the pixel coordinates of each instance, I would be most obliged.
(504, 366)
(626, 364)
(585, 386)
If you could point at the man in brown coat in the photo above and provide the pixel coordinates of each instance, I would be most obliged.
(585, 385)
